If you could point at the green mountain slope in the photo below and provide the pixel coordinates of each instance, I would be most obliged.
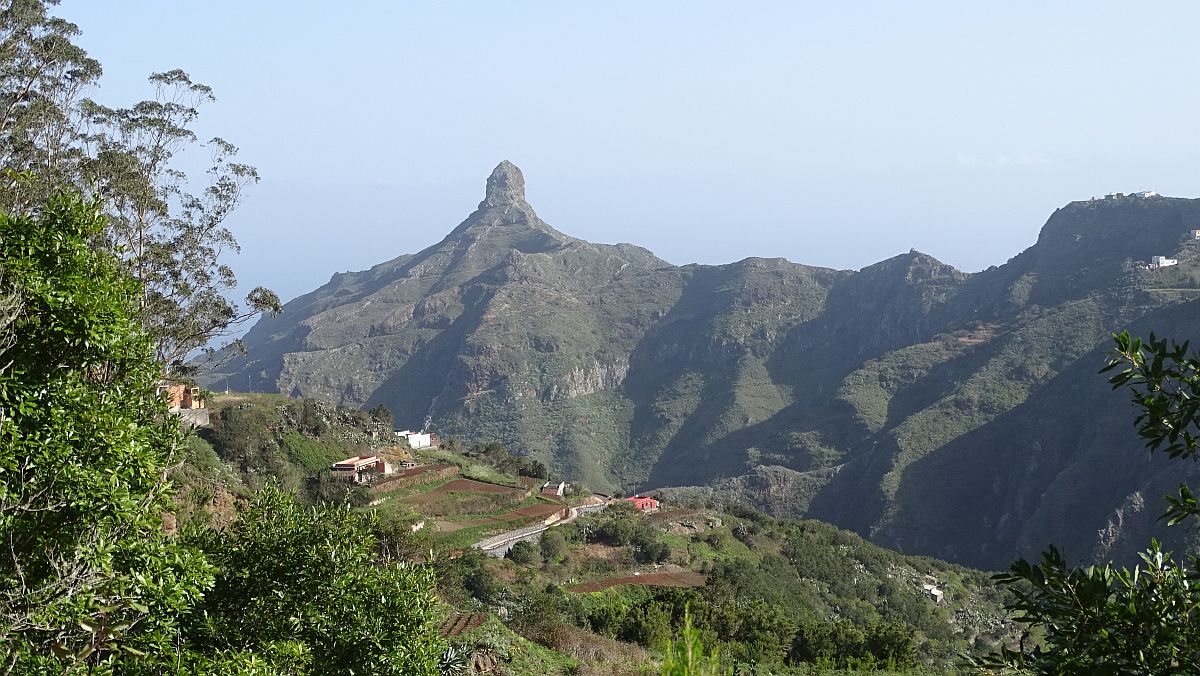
(931, 410)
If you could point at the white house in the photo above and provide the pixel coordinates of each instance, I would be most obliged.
(1163, 262)
(417, 439)
(559, 490)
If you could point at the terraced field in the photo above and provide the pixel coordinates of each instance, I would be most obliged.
(538, 511)
(461, 486)
(460, 623)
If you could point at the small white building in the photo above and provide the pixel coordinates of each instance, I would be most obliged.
(1196, 233)
(1163, 262)
(934, 593)
(560, 489)
(1145, 193)
(418, 440)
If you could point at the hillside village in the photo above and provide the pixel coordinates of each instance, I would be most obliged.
(481, 512)
(503, 530)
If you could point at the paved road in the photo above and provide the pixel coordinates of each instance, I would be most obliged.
(498, 545)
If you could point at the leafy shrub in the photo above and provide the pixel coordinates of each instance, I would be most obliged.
(522, 553)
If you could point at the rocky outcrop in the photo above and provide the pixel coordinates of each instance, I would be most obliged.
(595, 377)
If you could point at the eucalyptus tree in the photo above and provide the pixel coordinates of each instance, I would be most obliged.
(167, 228)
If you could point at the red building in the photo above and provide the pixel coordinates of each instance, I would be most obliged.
(644, 504)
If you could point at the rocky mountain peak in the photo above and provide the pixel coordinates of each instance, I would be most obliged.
(506, 186)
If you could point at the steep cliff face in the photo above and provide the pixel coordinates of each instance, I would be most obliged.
(934, 411)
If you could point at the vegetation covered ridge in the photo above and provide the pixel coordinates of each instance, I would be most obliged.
(907, 401)
(605, 586)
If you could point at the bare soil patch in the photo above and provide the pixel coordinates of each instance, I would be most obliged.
(460, 623)
(538, 511)
(599, 551)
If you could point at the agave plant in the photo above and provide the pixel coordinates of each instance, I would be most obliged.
(454, 661)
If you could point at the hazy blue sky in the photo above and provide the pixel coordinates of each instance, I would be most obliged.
(834, 134)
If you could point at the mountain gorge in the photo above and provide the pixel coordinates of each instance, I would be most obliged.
(934, 411)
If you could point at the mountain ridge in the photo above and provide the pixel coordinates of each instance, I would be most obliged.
(614, 366)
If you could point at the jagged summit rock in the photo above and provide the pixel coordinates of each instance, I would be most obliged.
(506, 186)
(505, 219)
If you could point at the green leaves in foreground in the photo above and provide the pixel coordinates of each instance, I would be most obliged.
(89, 582)
(1165, 385)
(1103, 620)
(686, 655)
(86, 574)
(306, 579)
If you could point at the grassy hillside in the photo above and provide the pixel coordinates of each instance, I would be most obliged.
(603, 592)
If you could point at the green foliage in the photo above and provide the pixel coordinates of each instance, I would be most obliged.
(522, 553)
(1101, 620)
(85, 574)
(1165, 385)
(454, 661)
(840, 644)
(1105, 620)
(269, 438)
(687, 657)
(308, 576)
(167, 231)
(467, 578)
(552, 545)
(495, 454)
(308, 453)
(382, 415)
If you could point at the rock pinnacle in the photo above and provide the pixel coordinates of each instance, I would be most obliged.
(505, 186)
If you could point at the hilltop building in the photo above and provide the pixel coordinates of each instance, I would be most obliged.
(1140, 194)
(1163, 262)
(360, 469)
(644, 503)
(185, 401)
(180, 396)
(418, 439)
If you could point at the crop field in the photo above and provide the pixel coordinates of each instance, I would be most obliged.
(680, 579)
(462, 486)
(538, 511)
(460, 623)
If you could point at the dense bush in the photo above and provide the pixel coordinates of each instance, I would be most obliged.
(308, 576)
(523, 553)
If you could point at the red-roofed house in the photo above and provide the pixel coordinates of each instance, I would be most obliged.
(644, 504)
